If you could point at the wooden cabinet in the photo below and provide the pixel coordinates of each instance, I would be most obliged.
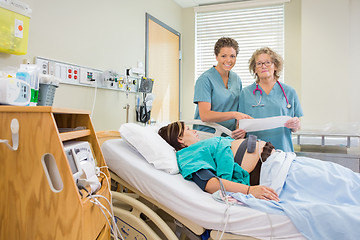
(30, 208)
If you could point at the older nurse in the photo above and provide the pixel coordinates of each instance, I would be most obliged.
(267, 97)
(217, 90)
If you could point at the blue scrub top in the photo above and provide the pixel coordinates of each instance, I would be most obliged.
(210, 88)
(274, 105)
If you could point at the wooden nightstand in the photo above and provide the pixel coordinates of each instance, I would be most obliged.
(30, 208)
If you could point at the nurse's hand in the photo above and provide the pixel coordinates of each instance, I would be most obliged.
(240, 116)
(238, 133)
(263, 192)
(294, 124)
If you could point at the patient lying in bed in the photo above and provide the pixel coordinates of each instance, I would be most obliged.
(321, 198)
(203, 161)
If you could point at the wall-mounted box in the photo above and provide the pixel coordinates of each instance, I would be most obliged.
(14, 27)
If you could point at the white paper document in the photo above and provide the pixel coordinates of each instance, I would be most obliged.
(259, 124)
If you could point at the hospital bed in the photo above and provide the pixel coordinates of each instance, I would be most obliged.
(152, 204)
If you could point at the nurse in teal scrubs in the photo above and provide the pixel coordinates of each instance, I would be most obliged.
(217, 90)
(267, 97)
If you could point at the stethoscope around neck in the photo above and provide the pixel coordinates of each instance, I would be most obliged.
(259, 104)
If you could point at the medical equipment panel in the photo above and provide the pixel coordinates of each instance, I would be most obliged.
(74, 74)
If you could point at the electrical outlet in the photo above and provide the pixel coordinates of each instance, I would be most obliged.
(69, 73)
(76, 73)
(44, 65)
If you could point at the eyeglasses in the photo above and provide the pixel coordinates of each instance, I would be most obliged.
(267, 64)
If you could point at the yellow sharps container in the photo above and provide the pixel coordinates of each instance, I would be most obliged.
(14, 27)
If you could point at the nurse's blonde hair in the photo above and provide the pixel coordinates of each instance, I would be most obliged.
(275, 58)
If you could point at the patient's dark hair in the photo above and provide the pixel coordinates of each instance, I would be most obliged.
(171, 133)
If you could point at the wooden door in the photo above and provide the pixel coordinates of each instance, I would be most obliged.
(163, 65)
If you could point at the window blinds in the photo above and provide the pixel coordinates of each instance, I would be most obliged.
(252, 28)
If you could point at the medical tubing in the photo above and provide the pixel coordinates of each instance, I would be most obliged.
(117, 231)
(111, 205)
(226, 213)
(101, 207)
(113, 226)
(271, 234)
(260, 154)
(145, 116)
(287, 101)
(97, 203)
(93, 106)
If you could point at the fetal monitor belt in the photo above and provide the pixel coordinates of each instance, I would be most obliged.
(248, 144)
(251, 144)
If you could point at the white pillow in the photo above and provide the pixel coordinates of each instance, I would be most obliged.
(151, 146)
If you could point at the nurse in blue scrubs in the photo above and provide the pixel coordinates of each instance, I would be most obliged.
(217, 90)
(267, 97)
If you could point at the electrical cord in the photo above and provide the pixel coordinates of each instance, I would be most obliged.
(260, 153)
(227, 212)
(271, 227)
(93, 106)
(93, 199)
(113, 226)
(110, 202)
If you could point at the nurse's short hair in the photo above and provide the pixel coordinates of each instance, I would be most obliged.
(275, 58)
(226, 42)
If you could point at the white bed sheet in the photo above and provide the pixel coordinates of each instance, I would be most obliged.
(188, 200)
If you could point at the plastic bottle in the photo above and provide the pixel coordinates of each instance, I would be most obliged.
(30, 74)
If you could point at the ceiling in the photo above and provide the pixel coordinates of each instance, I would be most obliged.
(194, 3)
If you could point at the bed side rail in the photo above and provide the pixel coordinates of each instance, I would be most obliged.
(219, 129)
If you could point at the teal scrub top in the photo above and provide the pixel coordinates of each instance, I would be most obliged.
(274, 105)
(214, 154)
(210, 88)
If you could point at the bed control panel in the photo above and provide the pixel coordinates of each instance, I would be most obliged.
(128, 231)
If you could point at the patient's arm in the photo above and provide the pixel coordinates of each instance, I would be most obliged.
(258, 191)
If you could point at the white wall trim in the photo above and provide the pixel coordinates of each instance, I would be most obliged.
(238, 5)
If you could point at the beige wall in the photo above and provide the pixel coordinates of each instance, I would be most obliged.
(104, 35)
(330, 83)
(292, 58)
(188, 64)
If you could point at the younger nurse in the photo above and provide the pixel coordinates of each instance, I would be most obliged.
(267, 97)
(217, 90)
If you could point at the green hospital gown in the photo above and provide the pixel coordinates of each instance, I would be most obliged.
(214, 154)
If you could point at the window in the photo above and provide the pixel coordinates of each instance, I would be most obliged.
(252, 28)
